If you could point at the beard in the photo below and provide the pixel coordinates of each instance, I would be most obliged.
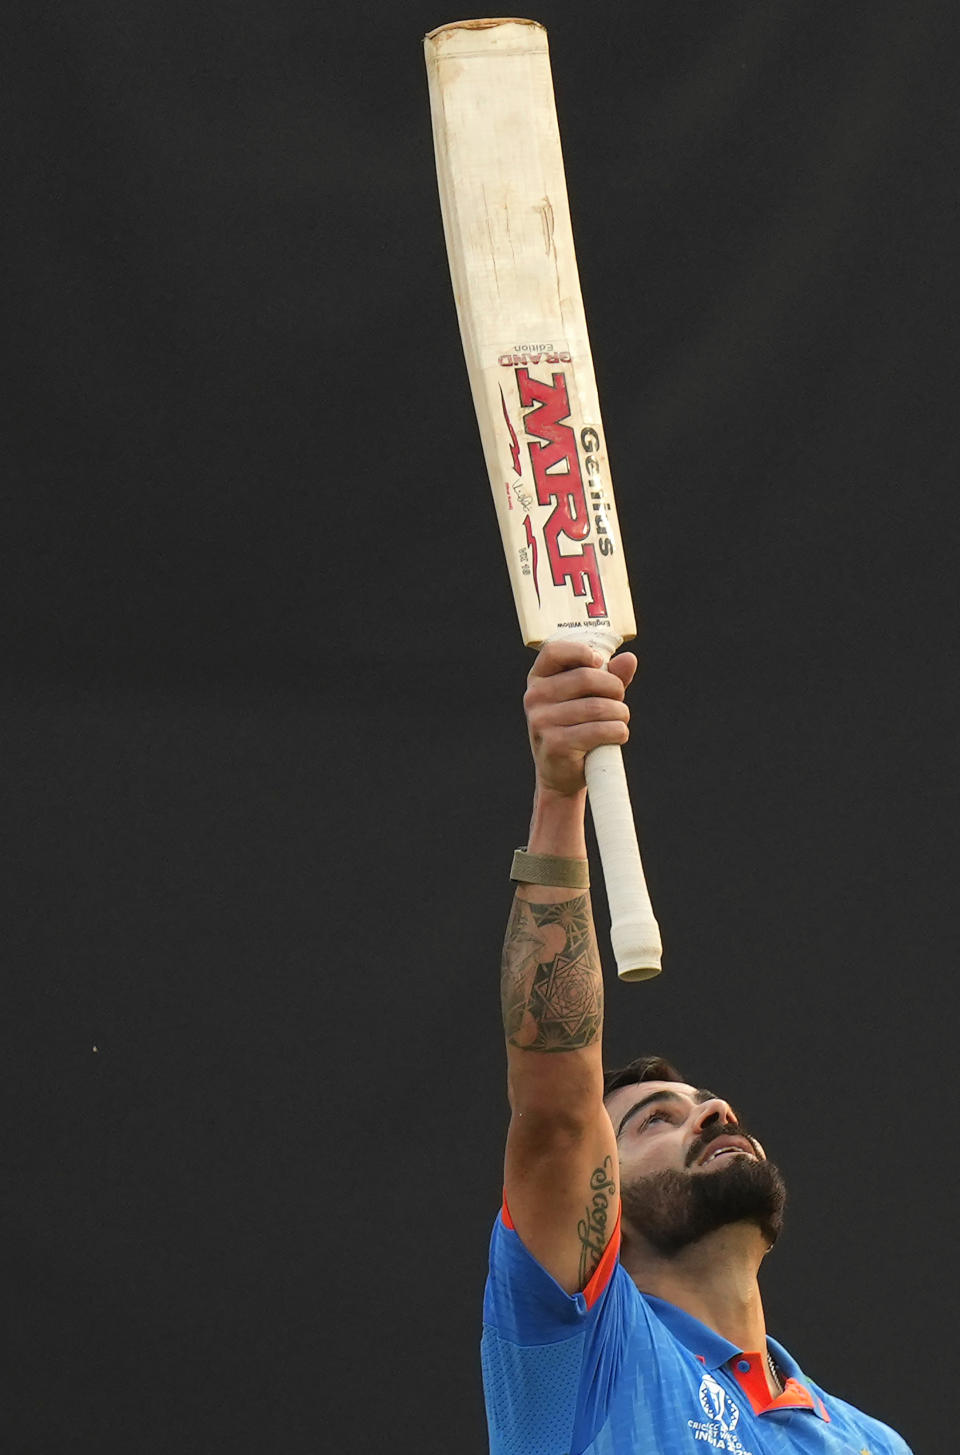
(671, 1209)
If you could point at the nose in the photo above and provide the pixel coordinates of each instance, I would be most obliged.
(713, 1111)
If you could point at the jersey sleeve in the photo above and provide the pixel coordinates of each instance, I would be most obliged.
(549, 1358)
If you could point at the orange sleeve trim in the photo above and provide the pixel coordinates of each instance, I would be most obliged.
(604, 1270)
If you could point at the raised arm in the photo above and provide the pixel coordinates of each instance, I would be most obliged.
(561, 1180)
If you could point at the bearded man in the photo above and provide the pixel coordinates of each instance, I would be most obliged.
(622, 1313)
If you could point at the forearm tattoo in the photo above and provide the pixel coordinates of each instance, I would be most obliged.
(592, 1227)
(551, 988)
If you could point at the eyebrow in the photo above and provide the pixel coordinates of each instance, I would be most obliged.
(699, 1098)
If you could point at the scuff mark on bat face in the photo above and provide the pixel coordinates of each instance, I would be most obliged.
(545, 209)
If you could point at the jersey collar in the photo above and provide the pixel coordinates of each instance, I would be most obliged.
(712, 1349)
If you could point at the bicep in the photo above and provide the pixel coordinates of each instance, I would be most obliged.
(562, 1190)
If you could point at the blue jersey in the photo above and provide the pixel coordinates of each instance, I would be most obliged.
(612, 1371)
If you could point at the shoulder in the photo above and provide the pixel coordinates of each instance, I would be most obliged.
(558, 1366)
(525, 1304)
(873, 1434)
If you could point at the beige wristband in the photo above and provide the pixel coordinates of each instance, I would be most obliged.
(550, 869)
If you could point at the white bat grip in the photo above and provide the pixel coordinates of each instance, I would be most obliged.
(634, 932)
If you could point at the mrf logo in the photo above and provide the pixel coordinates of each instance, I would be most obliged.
(559, 481)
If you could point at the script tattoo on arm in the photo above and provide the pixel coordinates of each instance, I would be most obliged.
(551, 987)
(592, 1227)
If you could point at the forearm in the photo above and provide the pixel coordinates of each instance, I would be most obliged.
(551, 981)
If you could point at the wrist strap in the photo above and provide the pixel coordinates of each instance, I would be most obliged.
(550, 869)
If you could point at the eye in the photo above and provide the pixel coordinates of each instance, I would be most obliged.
(659, 1115)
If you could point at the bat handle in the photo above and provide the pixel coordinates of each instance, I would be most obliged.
(634, 932)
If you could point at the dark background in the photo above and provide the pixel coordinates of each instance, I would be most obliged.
(264, 761)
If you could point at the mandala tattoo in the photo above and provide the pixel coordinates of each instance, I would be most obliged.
(551, 985)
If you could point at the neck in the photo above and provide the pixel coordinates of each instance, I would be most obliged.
(714, 1280)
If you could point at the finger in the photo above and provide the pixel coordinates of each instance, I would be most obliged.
(563, 743)
(562, 654)
(575, 682)
(577, 710)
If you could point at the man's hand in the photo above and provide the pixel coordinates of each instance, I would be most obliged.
(573, 703)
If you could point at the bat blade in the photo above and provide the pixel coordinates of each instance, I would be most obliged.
(506, 219)
(522, 322)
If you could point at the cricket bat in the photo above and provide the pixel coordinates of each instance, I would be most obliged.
(506, 220)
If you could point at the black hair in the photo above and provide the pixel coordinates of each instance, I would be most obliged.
(644, 1068)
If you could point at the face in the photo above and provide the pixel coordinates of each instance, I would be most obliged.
(687, 1166)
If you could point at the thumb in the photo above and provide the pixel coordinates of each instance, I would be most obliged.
(624, 666)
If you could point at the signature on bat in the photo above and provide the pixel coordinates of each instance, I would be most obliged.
(524, 498)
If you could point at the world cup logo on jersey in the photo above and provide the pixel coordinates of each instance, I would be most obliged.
(717, 1403)
(718, 1430)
